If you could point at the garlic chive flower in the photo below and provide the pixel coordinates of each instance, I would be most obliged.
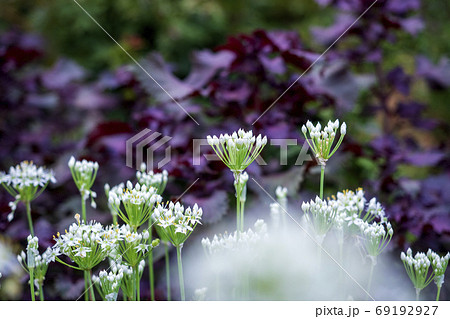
(376, 237)
(137, 202)
(238, 150)
(320, 215)
(108, 283)
(25, 182)
(84, 173)
(131, 245)
(35, 264)
(439, 265)
(417, 269)
(129, 277)
(321, 141)
(85, 244)
(151, 179)
(176, 222)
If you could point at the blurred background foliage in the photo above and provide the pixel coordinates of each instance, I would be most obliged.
(66, 88)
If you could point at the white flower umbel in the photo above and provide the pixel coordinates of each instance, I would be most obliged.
(25, 182)
(439, 265)
(320, 215)
(417, 268)
(321, 143)
(84, 173)
(376, 237)
(108, 283)
(115, 189)
(152, 179)
(86, 245)
(35, 265)
(237, 151)
(137, 203)
(133, 247)
(128, 284)
(177, 223)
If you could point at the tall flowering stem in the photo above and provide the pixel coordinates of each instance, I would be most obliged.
(178, 223)
(25, 182)
(159, 182)
(321, 143)
(237, 151)
(84, 173)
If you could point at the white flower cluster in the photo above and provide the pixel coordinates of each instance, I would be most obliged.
(132, 246)
(128, 277)
(138, 202)
(376, 237)
(177, 217)
(439, 265)
(23, 182)
(322, 140)
(237, 150)
(236, 241)
(109, 283)
(33, 260)
(84, 173)
(85, 244)
(320, 215)
(151, 179)
(417, 268)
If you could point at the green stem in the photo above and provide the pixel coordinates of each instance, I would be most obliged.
(438, 293)
(138, 288)
(180, 272)
(41, 293)
(322, 175)
(134, 285)
(369, 284)
(238, 211)
(91, 286)
(151, 275)
(30, 221)
(86, 287)
(166, 252)
(83, 208)
(32, 284)
(418, 294)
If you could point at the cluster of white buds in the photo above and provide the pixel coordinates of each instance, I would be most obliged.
(33, 260)
(320, 215)
(151, 179)
(238, 150)
(132, 246)
(176, 222)
(108, 283)
(84, 173)
(376, 237)
(236, 241)
(439, 265)
(137, 201)
(25, 182)
(128, 277)
(85, 244)
(322, 140)
(417, 268)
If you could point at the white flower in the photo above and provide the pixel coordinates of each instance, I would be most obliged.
(84, 173)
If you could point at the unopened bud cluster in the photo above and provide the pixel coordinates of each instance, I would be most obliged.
(84, 173)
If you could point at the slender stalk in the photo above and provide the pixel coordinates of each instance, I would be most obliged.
(86, 286)
(91, 286)
(32, 284)
(438, 293)
(322, 175)
(41, 293)
(138, 288)
(418, 294)
(166, 252)
(238, 210)
(372, 266)
(83, 208)
(180, 272)
(134, 285)
(151, 275)
(30, 221)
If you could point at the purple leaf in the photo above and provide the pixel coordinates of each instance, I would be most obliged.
(62, 73)
(438, 75)
(424, 159)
